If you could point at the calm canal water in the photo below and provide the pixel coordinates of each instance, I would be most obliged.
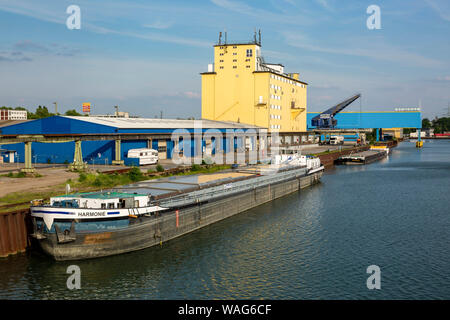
(314, 244)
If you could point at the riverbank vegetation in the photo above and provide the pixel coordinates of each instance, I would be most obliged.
(440, 125)
(21, 174)
(135, 175)
(42, 112)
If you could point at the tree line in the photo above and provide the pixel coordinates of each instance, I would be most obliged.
(42, 112)
(440, 125)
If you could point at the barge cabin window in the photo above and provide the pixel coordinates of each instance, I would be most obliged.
(66, 204)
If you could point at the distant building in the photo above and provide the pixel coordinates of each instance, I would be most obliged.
(13, 114)
(241, 87)
(7, 156)
(424, 133)
(117, 114)
(394, 132)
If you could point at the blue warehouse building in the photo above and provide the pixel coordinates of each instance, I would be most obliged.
(373, 120)
(382, 121)
(157, 134)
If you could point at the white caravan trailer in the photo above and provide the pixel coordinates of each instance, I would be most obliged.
(145, 155)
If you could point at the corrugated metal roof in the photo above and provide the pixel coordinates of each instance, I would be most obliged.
(6, 123)
(145, 123)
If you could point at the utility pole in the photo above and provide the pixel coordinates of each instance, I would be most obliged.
(161, 114)
(448, 111)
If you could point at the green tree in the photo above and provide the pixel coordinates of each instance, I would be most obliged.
(426, 124)
(441, 125)
(72, 112)
(41, 112)
(135, 174)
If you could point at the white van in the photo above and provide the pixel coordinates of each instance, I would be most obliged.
(145, 155)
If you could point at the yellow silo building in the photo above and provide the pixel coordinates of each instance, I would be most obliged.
(241, 87)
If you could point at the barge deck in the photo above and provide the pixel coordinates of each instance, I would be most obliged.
(364, 157)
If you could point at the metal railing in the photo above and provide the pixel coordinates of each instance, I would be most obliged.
(231, 188)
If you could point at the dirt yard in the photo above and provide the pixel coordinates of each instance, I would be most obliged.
(50, 178)
(52, 175)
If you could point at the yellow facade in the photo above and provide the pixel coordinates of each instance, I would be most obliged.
(241, 87)
(395, 132)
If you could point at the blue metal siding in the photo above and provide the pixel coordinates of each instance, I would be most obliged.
(368, 120)
(96, 152)
(56, 125)
(64, 152)
(225, 145)
(53, 152)
(79, 126)
(194, 146)
(184, 145)
(351, 137)
(132, 144)
(31, 127)
(19, 148)
(170, 145)
(131, 162)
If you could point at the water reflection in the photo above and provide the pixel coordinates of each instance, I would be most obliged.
(313, 244)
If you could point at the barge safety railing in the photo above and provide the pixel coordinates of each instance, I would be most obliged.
(230, 188)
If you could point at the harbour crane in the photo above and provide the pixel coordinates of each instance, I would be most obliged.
(326, 119)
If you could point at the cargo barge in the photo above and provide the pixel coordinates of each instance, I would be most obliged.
(148, 213)
(364, 157)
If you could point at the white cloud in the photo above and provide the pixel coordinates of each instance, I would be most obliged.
(48, 12)
(160, 37)
(38, 10)
(324, 4)
(192, 95)
(101, 79)
(442, 8)
(444, 78)
(376, 50)
(158, 24)
(286, 17)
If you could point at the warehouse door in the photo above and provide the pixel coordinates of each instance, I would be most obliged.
(162, 149)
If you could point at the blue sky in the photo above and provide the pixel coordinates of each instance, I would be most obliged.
(147, 56)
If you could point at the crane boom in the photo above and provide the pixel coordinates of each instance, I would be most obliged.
(326, 120)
